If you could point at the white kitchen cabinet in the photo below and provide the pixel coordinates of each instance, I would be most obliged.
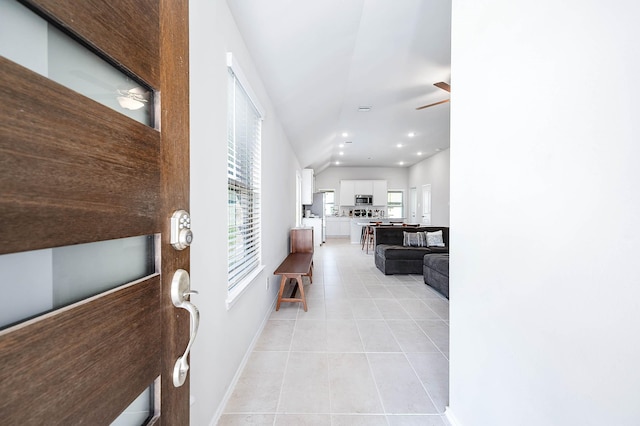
(379, 193)
(338, 226)
(307, 186)
(350, 188)
(356, 230)
(345, 226)
(333, 226)
(347, 193)
(363, 187)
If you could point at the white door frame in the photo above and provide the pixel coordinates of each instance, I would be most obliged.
(413, 204)
(426, 204)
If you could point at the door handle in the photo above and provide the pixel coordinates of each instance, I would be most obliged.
(180, 290)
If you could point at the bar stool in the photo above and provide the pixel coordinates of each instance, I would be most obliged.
(369, 235)
(363, 233)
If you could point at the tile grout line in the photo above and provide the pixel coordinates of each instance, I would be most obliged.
(373, 377)
(404, 353)
(286, 367)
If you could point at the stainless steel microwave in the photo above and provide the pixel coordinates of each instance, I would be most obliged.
(364, 200)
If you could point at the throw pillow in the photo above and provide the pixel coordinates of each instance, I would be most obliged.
(414, 239)
(434, 239)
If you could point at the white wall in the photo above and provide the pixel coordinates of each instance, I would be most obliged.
(545, 294)
(226, 335)
(434, 171)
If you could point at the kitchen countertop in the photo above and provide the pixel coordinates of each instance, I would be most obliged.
(384, 223)
(379, 219)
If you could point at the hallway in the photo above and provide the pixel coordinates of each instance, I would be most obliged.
(371, 350)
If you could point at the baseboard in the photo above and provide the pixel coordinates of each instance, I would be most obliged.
(240, 369)
(451, 418)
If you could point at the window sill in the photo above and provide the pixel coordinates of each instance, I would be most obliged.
(241, 287)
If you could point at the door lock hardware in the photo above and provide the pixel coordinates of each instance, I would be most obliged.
(180, 291)
(181, 235)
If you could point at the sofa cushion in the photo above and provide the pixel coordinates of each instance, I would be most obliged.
(401, 252)
(438, 262)
(434, 239)
(438, 249)
(414, 239)
(435, 271)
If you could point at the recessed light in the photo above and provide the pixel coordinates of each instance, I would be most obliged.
(341, 145)
(412, 134)
(337, 163)
(345, 134)
(399, 145)
(419, 152)
(341, 153)
(402, 163)
(364, 108)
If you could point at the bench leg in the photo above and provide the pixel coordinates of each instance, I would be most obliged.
(283, 281)
(301, 287)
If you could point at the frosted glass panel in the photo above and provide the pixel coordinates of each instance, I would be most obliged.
(84, 270)
(28, 40)
(138, 412)
(18, 23)
(41, 280)
(26, 285)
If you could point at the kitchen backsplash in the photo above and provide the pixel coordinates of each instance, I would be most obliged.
(363, 212)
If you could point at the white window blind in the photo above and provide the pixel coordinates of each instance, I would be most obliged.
(243, 173)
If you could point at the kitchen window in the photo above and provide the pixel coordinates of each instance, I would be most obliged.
(329, 203)
(243, 174)
(395, 204)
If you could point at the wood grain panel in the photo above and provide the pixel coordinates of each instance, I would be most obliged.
(71, 170)
(174, 45)
(125, 30)
(301, 240)
(112, 357)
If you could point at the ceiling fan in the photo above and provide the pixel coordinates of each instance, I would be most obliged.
(442, 85)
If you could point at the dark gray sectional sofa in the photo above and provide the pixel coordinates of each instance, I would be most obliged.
(391, 257)
(436, 272)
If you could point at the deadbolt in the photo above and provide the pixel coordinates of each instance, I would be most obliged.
(181, 235)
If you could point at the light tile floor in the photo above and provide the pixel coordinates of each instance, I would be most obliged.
(371, 350)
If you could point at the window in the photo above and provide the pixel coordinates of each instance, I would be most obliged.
(395, 204)
(243, 175)
(329, 203)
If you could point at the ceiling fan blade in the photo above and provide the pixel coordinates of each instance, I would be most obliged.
(443, 86)
(430, 105)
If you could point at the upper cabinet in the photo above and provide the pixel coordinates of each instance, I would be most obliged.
(350, 188)
(379, 192)
(347, 192)
(307, 186)
(363, 187)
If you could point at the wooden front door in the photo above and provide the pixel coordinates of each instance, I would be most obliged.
(74, 171)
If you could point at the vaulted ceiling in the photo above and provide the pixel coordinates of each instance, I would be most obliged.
(320, 61)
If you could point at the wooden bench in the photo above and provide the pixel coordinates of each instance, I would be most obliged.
(295, 265)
